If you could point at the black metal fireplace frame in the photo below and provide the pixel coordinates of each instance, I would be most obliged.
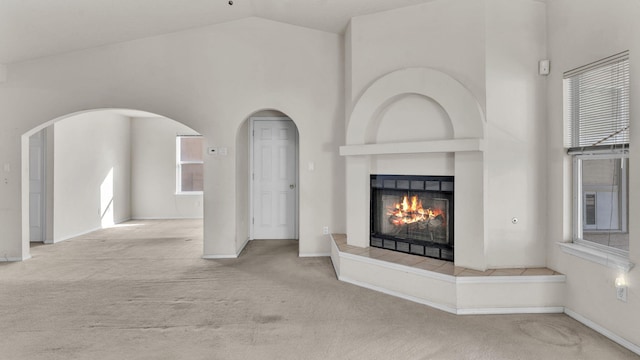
(432, 184)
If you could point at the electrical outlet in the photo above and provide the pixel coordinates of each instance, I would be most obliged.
(325, 230)
(621, 293)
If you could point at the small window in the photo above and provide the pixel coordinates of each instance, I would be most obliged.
(597, 115)
(190, 164)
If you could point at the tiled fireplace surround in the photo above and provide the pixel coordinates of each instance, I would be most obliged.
(465, 287)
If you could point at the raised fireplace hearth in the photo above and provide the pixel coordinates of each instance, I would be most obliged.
(413, 214)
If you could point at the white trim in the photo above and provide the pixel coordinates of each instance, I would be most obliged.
(251, 138)
(15, 259)
(608, 333)
(434, 146)
(438, 306)
(167, 218)
(241, 248)
(604, 248)
(507, 311)
(464, 110)
(579, 191)
(597, 256)
(511, 279)
(214, 257)
(305, 255)
(424, 273)
(189, 193)
(55, 241)
(237, 254)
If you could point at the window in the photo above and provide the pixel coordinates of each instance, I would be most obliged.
(597, 114)
(190, 164)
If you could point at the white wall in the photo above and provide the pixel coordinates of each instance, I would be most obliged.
(153, 171)
(579, 32)
(210, 79)
(412, 117)
(492, 47)
(515, 134)
(92, 172)
(445, 35)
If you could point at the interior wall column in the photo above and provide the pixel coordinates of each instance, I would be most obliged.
(470, 190)
(358, 168)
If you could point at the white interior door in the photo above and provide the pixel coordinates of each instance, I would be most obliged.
(36, 187)
(274, 179)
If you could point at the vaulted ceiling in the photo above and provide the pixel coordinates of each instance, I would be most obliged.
(31, 29)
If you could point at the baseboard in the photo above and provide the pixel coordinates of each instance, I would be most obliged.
(75, 236)
(510, 311)
(166, 218)
(305, 255)
(241, 249)
(214, 257)
(15, 259)
(538, 279)
(611, 335)
(234, 256)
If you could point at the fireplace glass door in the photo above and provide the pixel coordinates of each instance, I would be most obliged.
(413, 214)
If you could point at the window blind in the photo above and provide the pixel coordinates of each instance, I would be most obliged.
(597, 103)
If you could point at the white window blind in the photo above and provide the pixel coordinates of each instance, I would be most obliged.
(597, 103)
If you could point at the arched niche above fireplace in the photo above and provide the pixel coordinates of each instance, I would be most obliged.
(462, 108)
(462, 149)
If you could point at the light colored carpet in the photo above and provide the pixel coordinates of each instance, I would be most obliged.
(141, 291)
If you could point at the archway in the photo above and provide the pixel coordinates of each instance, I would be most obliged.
(104, 160)
(248, 181)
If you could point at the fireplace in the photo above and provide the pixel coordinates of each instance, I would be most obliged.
(413, 214)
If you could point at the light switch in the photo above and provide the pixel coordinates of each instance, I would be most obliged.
(312, 166)
(7, 167)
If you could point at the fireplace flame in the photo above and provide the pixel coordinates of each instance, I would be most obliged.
(411, 211)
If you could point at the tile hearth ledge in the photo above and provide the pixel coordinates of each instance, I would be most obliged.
(429, 264)
(442, 285)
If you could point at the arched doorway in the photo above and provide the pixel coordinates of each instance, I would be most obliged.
(268, 186)
(103, 167)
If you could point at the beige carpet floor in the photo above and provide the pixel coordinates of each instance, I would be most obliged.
(141, 291)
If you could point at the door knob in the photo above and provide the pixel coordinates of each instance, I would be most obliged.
(292, 186)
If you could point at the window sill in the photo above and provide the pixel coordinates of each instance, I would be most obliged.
(190, 193)
(597, 256)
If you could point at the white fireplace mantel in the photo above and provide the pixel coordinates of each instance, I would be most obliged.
(465, 143)
(433, 146)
